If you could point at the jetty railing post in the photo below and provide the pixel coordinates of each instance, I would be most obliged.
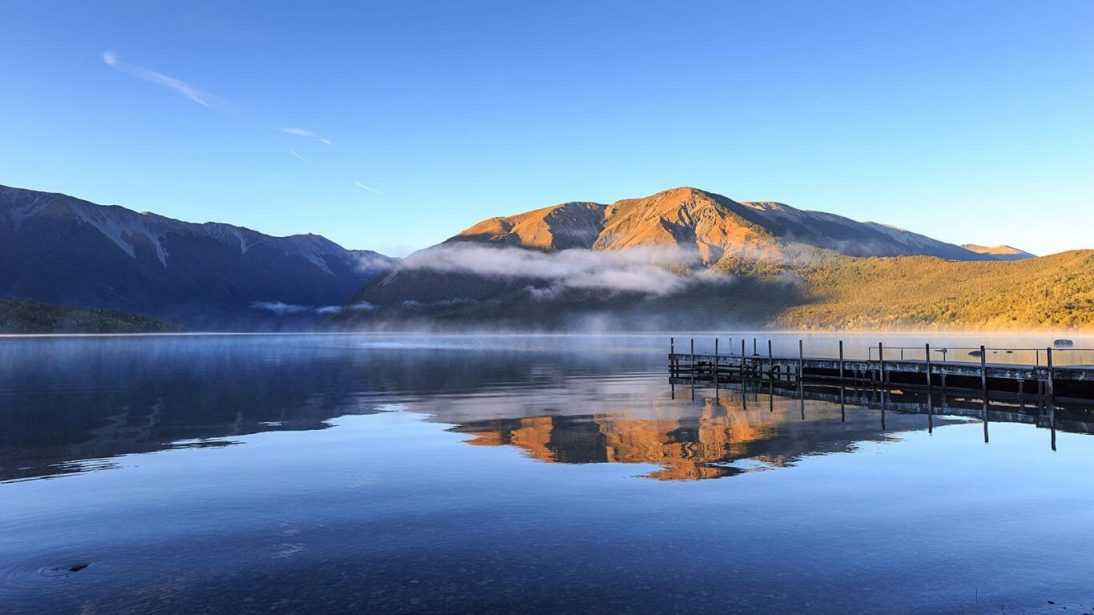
(927, 350)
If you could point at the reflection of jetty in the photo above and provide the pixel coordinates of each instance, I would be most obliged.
(900, 367)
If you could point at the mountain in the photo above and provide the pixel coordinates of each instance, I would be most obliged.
(1048, 292)
(686, 257)
(710, 223)
(999, 253)
(69, 252)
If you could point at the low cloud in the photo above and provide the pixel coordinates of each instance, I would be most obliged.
(285, 309)
(205, 99)
(277, 307)
(640, 270)
(371, 261)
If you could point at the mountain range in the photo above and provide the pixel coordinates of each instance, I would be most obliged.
(687, 257)
(681, 257)
(65, 251)
(708, 222)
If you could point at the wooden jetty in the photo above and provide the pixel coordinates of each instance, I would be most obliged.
(887, 368)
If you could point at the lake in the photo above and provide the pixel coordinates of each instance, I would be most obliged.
(385, 473)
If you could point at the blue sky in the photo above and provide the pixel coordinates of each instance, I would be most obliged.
(968, 121)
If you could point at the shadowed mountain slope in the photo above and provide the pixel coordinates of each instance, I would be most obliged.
(65, 251)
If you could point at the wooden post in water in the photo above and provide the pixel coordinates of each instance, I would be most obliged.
(801, 357)
(801, 385)
(984, 372)
(1050, 388)
(880, 364)
(770, 362)
(672, 357)
(841, 370)
(927, 349)
(692, 370)
(742, 365)
(716, 365)
(754, 353)
(984, 387)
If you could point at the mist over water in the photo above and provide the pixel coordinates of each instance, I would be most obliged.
(491, 473)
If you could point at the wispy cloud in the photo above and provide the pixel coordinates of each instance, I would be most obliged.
(296, 154)
(300, 132)
(364, 186)
(307, 134)
(205, 99)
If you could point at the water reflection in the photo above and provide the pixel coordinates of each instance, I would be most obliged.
(718, 437)
(74, 406)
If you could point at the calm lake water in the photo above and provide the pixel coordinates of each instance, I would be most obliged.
(331, 474)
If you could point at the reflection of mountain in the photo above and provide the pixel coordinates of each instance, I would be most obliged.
(63, 402)
(692, 443)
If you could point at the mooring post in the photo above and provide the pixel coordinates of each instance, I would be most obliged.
(693, 367)
(754, 353)
(880, 364)
(770, 362)
(841, 370)
(984, 387)
(742, 365)
(716, 364)
(672, 357)
(801, 357)
(927, 350)
(984, 373)
(1051, 385)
